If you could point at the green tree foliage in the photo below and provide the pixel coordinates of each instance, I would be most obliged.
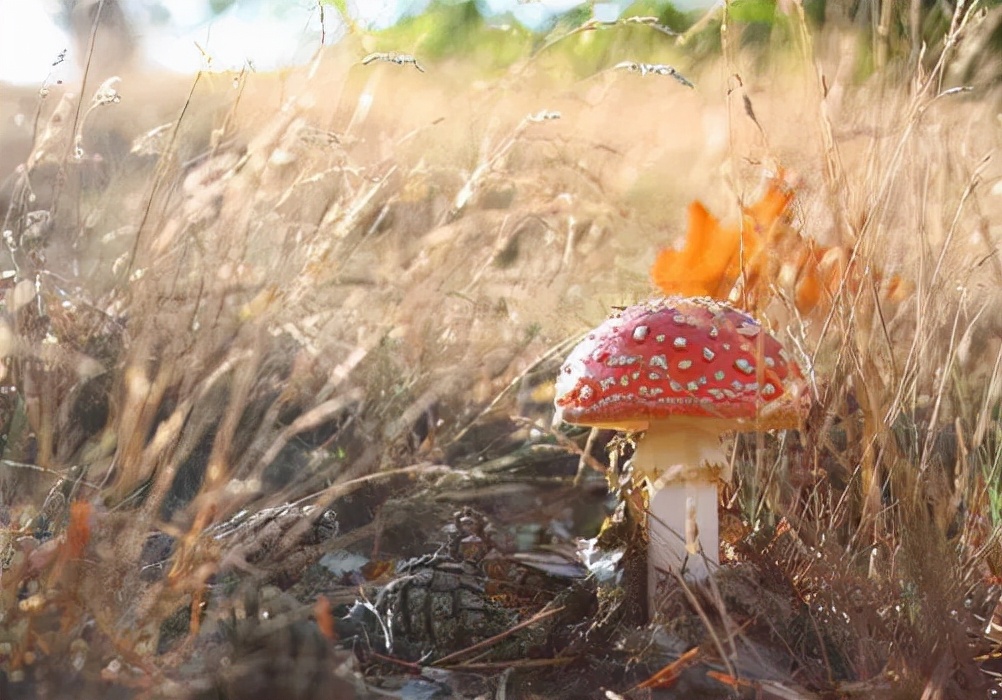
(450, 29)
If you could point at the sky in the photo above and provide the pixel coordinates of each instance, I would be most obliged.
(266, 33)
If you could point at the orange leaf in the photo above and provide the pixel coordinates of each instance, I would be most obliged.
(767, 211)
(702, 266)
(808, 293)
(78, 531)
(766, 254)
(71, 548)
(812, 281)
(712, 257)
(325, 620)
(377, 569)
(727, 679)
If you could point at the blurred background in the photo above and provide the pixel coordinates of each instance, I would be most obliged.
(265, 34)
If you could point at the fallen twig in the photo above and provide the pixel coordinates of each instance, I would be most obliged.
(491, 641)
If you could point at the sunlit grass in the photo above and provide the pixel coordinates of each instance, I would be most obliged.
(236, 292)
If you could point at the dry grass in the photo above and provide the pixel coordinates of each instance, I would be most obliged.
(309, 286)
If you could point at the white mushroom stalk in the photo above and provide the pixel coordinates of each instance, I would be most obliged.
(684, 371)
(681, 460)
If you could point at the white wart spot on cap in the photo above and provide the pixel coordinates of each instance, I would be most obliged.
(743, 365)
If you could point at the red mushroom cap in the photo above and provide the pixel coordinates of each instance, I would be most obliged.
(680, 357)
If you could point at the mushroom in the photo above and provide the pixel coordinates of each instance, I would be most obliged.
(683, 370)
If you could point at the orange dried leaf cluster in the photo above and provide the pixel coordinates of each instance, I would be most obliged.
(747, 263)
(712, 256)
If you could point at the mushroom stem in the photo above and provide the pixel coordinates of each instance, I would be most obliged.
(683, 535)
(681, 459)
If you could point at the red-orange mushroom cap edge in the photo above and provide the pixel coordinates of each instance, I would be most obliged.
(676, 356)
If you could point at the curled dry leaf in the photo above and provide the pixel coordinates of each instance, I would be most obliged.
(713, 256)
(748, 264)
